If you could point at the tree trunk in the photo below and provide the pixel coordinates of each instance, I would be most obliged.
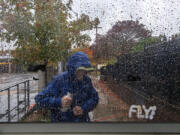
(60, 67)
(41, 81)
(46, 78)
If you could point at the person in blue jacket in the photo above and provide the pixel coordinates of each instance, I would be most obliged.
(70, 95)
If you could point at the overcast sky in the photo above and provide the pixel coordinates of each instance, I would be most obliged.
(160, 16)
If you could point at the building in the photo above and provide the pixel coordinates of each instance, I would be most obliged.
(5, 64)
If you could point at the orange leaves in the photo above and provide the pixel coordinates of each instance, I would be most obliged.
(87, 51)
(38, 8)
(21, 4)
(37, 24)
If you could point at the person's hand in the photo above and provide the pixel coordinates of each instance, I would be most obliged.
(66, 101)
(77, 110)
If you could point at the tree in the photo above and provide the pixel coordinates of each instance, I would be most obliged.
(142, 43)
(119, 39)
(86, 50)
(43, 30)
(99, 48)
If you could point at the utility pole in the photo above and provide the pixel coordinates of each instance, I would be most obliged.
(96, 27)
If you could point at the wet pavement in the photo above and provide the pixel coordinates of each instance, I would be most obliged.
(114, 104)
(110, 108)
(7, 80)
(116, 100)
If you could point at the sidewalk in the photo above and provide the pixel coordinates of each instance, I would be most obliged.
(110, 108)
(113, 107)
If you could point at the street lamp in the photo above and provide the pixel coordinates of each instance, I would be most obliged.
(9, 64)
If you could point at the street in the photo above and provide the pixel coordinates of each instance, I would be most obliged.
(7, 80)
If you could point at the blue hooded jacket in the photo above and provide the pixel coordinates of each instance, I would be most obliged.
(83, 93)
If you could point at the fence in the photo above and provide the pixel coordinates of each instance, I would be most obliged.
(6, 67)
(155, 71)
(22, 87)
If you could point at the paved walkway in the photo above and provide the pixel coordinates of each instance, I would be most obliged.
(115, 107)
(110, 108)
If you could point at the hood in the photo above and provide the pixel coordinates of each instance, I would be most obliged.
(79, 59)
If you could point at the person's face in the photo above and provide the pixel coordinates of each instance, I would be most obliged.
(80, 74)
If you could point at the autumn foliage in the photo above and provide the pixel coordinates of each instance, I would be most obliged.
(43, 31)
(86, 50)
(119, 40)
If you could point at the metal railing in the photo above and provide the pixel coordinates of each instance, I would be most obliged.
(25, 89)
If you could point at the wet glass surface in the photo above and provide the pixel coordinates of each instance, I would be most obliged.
(133, 46)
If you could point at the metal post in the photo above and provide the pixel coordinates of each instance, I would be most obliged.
(28, 93)
(41, 81)
(26, 100)
(9, 65)
(18, 101)
(9, 115)
(96, 27)
(25, 95)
